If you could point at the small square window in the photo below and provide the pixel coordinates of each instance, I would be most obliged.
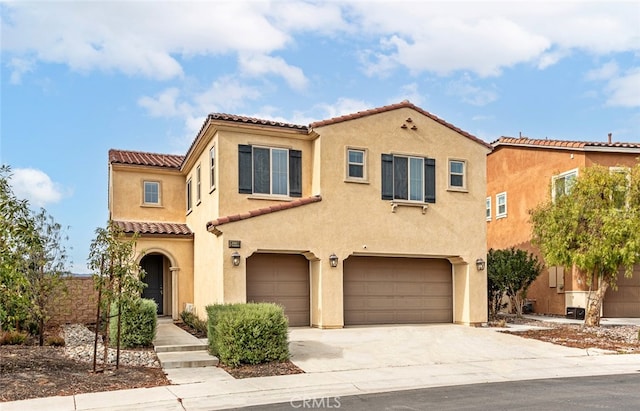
(457, 174)
(562, 183)
(501, 205)
(151, 193)
(356, 164)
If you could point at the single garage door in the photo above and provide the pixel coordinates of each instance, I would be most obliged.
(625, 301)
(281, 279)
(386, 290)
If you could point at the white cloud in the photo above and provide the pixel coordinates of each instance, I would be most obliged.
(604, 72)
(35, 186)
(341, 107)
(20, 66)
(470, 93)
(624, 91)
(258, 65)
(408, 92)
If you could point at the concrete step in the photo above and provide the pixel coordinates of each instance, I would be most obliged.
(180, 347)
(187, 359)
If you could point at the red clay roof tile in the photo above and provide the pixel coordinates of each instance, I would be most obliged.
(565, 144)
(145, 159)
(142, 227)
(261, 211)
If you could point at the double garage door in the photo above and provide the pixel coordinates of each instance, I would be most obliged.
(625, 301)
(377, 290)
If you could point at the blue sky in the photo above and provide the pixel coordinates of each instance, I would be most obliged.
(79, 78)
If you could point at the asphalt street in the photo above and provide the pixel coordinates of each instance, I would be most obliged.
(609, 392)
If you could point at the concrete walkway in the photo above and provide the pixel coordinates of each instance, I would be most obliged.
(358, 360)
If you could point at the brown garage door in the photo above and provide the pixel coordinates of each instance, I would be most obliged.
(282, 279)
(625, 302)
(380, 290)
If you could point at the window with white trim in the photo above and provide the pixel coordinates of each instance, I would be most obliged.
(356, 164)
(198, 181)
(488, 209)
(501, 205)
(212, 168)
(269, 171)
(151, 192)
(457, 174)
(561, 184)
(189, 205)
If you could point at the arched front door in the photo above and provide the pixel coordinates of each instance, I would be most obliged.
(153, 265)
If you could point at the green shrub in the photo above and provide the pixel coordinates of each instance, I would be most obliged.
(248, 333)
(13, 338)
(193, 321)
(138, 324)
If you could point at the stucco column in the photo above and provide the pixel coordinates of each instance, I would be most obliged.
(174, 292)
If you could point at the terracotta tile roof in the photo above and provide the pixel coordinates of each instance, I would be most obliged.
(211, 225)
(563, 144)
(257, 121)
(145, 159)
(154, 228)
(403, 104)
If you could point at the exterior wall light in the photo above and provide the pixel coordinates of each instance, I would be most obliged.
(333, 260)
(235, 259)
(480, 264)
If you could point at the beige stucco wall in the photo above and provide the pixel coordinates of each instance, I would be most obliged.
(351, 218)
(126, 194)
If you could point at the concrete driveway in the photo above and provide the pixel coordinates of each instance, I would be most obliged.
(358, 348)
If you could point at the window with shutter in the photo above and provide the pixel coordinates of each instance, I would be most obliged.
(269, 171)
(408, 178)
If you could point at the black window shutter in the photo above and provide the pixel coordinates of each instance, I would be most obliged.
(400, 178)
(387, 177)
(430, 180)
(295, 173)
(245, 183)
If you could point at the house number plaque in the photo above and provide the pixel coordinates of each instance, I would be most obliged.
(234, 243)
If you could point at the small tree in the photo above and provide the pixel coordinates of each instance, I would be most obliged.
(117, 277)
(511, 272)
(46, 259)
(16, 228)
(596, 228)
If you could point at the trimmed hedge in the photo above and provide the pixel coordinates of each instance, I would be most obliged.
(248, 333)
(138, 325)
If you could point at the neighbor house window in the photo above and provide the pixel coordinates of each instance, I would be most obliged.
(408, 178)
(501, 205)
(488, 209)
(270, 171)
(198, 174)
(356, 164)
(212, 168)
(457, 174)
(620, 198)
(189, 195)
(562, 183)
(151, 193)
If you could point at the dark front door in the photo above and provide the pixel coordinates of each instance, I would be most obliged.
(153, 266)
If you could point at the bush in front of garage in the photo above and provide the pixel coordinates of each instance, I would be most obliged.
(250, 333)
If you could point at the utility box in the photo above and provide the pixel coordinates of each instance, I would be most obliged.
(575, 313)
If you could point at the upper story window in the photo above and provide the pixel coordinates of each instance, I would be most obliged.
(212, 168)
(151, 192)
(408, 178)
(189, 204)
(620, 192)
(270, 171)
(356, 164)
(501, 205)
(561, 184)
(457, 174)
(198, 184)
(488, 209)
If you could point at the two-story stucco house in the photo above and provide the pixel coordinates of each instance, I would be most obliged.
(522, 173)
(371, 218)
